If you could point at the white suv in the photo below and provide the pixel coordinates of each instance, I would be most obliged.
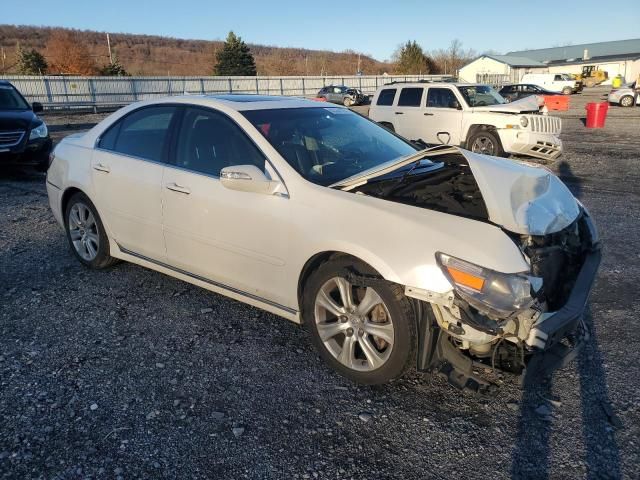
(472, 116)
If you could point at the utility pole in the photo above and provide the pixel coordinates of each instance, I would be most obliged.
(109, 47)
(3, 58)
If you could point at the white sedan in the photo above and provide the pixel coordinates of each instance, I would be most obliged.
(394, 257)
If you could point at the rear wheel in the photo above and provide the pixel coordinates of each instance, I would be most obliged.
(347, 101)
(388, 126)
(365, 333)
(86, 234)
(486, 142)
(626, 101)
(589, 82)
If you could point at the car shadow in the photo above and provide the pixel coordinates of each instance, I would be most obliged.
(570, 179)
(531, 453)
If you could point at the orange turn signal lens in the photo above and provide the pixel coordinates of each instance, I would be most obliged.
(466, 279)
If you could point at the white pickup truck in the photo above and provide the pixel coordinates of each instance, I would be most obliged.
(472, 116)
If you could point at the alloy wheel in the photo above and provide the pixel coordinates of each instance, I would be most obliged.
(483, 145)
(83, 231)
(354, 324)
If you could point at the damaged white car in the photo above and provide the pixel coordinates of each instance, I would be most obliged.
(394, 258)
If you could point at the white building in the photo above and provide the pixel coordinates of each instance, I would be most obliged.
(620, 57)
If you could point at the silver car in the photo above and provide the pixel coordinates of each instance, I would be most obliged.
(626, 95)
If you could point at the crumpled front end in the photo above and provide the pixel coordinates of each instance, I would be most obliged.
(544, 330)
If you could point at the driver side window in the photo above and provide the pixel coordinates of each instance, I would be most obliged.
(209, 141)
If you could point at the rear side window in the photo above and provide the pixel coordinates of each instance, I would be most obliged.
(142, 133)
(386, 97)
(441, 98)
(410, 97)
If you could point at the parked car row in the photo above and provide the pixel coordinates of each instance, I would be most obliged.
(471, 261)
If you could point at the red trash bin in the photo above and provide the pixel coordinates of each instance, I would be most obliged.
(596, 114)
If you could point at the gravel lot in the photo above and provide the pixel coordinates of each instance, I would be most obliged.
(128, 373)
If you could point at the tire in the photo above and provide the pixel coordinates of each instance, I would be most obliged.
(589, 83)
(567, 91)
(388, 126)
(86, 234)
(343, 337)
(626, 101)
(347, 101)
(492, 143)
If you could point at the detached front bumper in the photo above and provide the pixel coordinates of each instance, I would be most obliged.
(538, 145)
(561, 336)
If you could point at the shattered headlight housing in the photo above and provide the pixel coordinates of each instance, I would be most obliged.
(495, 293)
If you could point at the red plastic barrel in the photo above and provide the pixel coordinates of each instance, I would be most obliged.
(596, 114)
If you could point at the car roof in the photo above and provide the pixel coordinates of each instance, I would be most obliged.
(242, 102)
(430, 84)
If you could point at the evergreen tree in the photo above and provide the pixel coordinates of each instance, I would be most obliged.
(114, 69)
(411, 59)
(31, 62)
(235, 58)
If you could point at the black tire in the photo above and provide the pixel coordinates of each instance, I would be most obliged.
(388, 126)
(102, 258)
(589, 83)
(402, 318)
(347, 101)
(567, 91)
(627, 101)
(496, 150)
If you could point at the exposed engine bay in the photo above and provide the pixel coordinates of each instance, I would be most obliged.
(490, 319)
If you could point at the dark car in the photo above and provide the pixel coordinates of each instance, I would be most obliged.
(24, 137)
(346, 96)
(522, 90)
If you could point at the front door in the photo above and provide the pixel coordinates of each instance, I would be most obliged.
(443, 116)
(236, 239)
(127, 178)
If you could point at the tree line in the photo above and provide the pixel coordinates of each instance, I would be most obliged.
(44, 50)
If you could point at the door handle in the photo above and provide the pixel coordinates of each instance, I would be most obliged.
(101, 168)
(427, 114)
(174, 187)
(399, 113)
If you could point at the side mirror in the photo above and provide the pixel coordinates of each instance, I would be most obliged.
(247, 178)
(455, 104)
(36, 107)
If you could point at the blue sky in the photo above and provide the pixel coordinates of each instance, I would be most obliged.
(374, 27)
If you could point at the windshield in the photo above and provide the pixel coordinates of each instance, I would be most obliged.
(10, 99)
(326, 145)
(481, 95)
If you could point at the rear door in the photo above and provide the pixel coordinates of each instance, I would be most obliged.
(409, 116)
(127, 174)
(382, 110)
(443, 117)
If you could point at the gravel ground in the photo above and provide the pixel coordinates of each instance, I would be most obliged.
(128, 373)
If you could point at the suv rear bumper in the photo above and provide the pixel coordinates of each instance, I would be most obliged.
(539, 145)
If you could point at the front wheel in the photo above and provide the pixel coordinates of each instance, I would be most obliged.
(626, 101)
(364, 329)
(567, 90)
(486, 143)
(86, 234)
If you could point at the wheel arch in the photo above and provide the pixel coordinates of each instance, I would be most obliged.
(476, 127)
(66, 196)
(316, 260)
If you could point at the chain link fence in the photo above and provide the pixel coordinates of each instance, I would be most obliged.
(62, 92)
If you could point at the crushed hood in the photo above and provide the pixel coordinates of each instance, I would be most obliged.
(522, 198)
(527, 104)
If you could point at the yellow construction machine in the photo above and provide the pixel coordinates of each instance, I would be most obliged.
(591, 76)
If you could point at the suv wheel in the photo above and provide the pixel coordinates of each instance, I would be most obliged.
(365, 333)
(347, 101)
(486, 143)
(567, 90)
(86, 234)
(626, 101)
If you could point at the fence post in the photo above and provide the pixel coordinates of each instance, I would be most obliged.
(257, 86)
(169, 86)
(281, 87)
(134, 90)
(304, 93)
(230, 85)
(47, 88)
(376, 82)
(202, 86)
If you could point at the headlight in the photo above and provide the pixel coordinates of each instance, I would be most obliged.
(39, 132)
(524, 121)
(489, 291)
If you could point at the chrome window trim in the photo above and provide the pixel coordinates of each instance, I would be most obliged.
(207, 280)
